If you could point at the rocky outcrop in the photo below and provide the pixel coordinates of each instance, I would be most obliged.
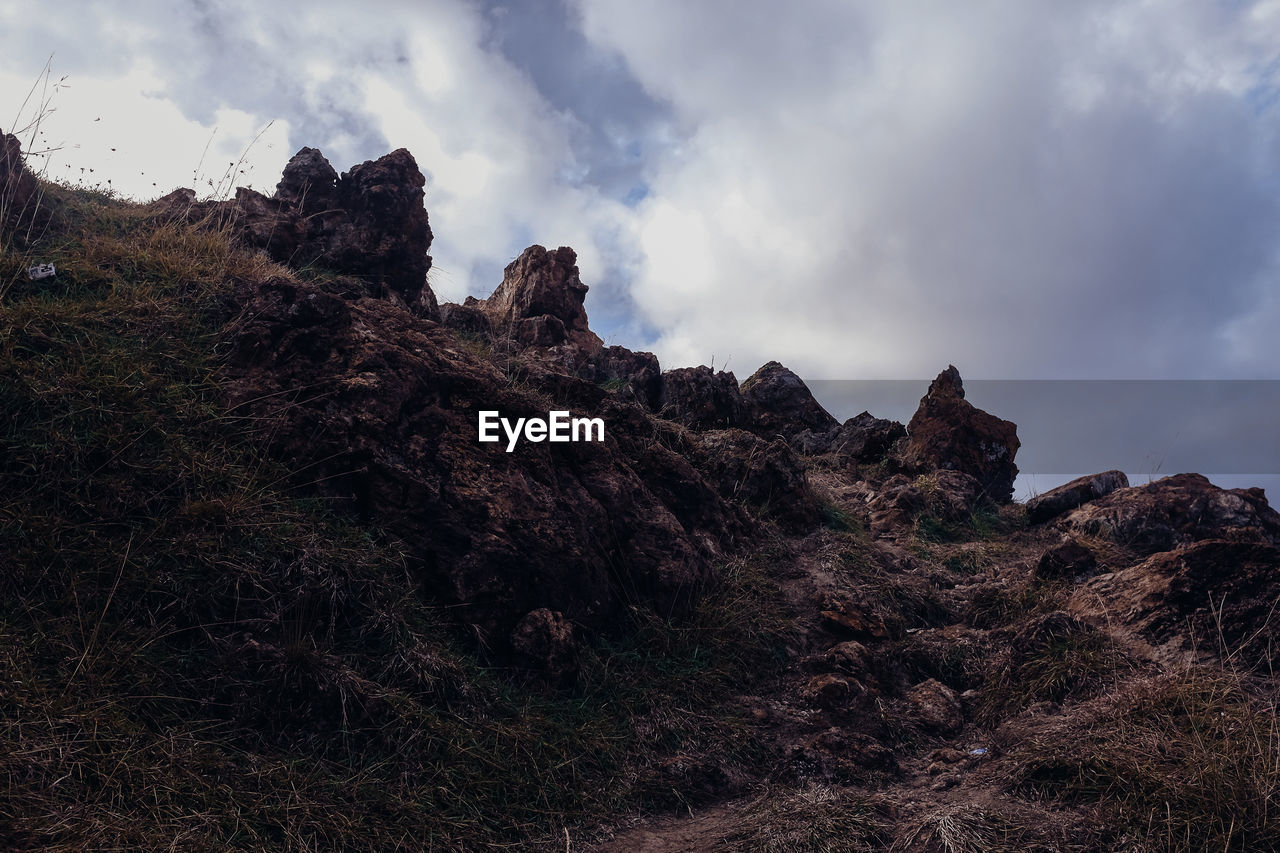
(1081, 490)
(634, 374)
(865, 438)
(20, 194)
(699, 399)
(947, 431)
(378, 408)
(467, 319)
(368, 223)
(779, 403)
(1212, 595)
(1176, 511)
(540, 301)
(763, 475)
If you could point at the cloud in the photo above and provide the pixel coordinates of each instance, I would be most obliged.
(1024, 189)
(152, 80)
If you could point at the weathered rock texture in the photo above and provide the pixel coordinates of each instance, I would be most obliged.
(540, 301)
(369, 223)
(379, 409)
(20, 196)
(1176, 511)
(947, 431)
(1214, 595)
(699, 399)
(1081, 490)
(779, 403)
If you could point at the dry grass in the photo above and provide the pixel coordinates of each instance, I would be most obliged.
(1187, 761)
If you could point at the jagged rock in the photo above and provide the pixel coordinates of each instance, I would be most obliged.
(779, 403)
(699, 399)
(369, 223)
(764, 475)
(540, 301)
(378, 408)
(935, 708)
(865, 438)
(1175, 511)
(309, 183)
(20, 195)
(1213, 594)
(635, 374)
(1067, 560)
(1081, 490)
(543, 640)
(947, 431)
(465, 318)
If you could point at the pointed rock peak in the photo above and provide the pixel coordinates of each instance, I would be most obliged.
(781, 403)
(948, 384)
(544, 284)
(308, 180)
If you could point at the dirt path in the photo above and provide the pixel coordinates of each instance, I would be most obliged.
(873, 617)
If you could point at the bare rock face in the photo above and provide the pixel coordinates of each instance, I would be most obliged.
(1212, 595)
(466, 318)
(1176, 511)
(634, 374)
(20, 205)
(865, 438)
(947, 431)
(368, 223)
(763, 475)
(540, 301)
(779, 403)
(379, 408)
(1067, 497)
(699, 399)
(543, 640)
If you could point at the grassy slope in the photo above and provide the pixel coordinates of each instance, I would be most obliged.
(193, 653)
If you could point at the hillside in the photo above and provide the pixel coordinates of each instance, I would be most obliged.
(266, 589)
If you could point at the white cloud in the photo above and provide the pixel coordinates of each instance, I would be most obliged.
(1024, 189)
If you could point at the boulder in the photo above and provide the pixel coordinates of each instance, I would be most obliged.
(543, 641)
(949, 496)
(1067, 560)
(465, 318)
(1211, 595)
(865, 438)
(947, 431)
(699, 399)
(1081, 490)
(540, 301)
(779, 403)
(935, 708)
(1175, 511)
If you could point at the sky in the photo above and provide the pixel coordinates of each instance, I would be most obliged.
(1026, 189)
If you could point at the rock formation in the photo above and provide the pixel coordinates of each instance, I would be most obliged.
(368, 223)
(947, 431)
(1081, 490)
(540, 301)
(779, 403)
(699, 399)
